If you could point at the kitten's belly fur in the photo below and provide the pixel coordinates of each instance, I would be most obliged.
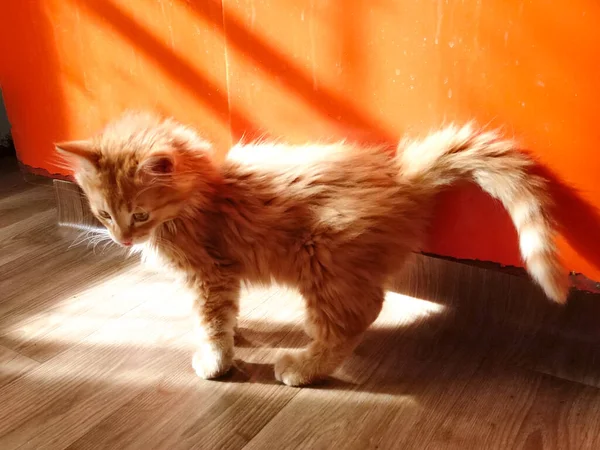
(368, 238)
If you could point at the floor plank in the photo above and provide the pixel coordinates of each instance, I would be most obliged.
(451, 396)
(233, 410)
(55, 404)
(13, 365)
(500, 409)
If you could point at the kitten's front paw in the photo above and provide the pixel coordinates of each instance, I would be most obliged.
(294, 370)
(210, 362)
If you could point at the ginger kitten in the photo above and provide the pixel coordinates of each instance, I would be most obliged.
(334, 221)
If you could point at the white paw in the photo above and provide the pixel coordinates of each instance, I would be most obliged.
(210, 362)
(292, 370)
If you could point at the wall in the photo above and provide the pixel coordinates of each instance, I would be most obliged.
(307, 69)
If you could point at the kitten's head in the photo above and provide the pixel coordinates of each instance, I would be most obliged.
(139, 173)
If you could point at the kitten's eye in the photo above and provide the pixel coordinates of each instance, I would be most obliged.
(140, 217)
(104, 215)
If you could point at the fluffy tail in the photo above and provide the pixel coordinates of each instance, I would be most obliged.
(505, 173)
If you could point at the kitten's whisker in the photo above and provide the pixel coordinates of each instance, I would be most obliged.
(90, 236)
(106, 244)
(81, 237)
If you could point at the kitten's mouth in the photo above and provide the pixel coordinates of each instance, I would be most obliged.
(133, 242)
(128, 243)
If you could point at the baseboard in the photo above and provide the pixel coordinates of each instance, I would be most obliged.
(482, 295)
(72, 206)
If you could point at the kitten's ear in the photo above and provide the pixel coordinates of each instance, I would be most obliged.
(158, 164)
(82, 153)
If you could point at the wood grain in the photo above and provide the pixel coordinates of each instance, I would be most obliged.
(95, 353)
(13, 365)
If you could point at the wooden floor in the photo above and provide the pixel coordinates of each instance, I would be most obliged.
(95, 352)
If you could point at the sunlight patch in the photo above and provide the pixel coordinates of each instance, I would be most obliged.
(404, 310)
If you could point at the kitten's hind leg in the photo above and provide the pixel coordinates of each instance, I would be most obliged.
(336, 323)
(216, 307)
